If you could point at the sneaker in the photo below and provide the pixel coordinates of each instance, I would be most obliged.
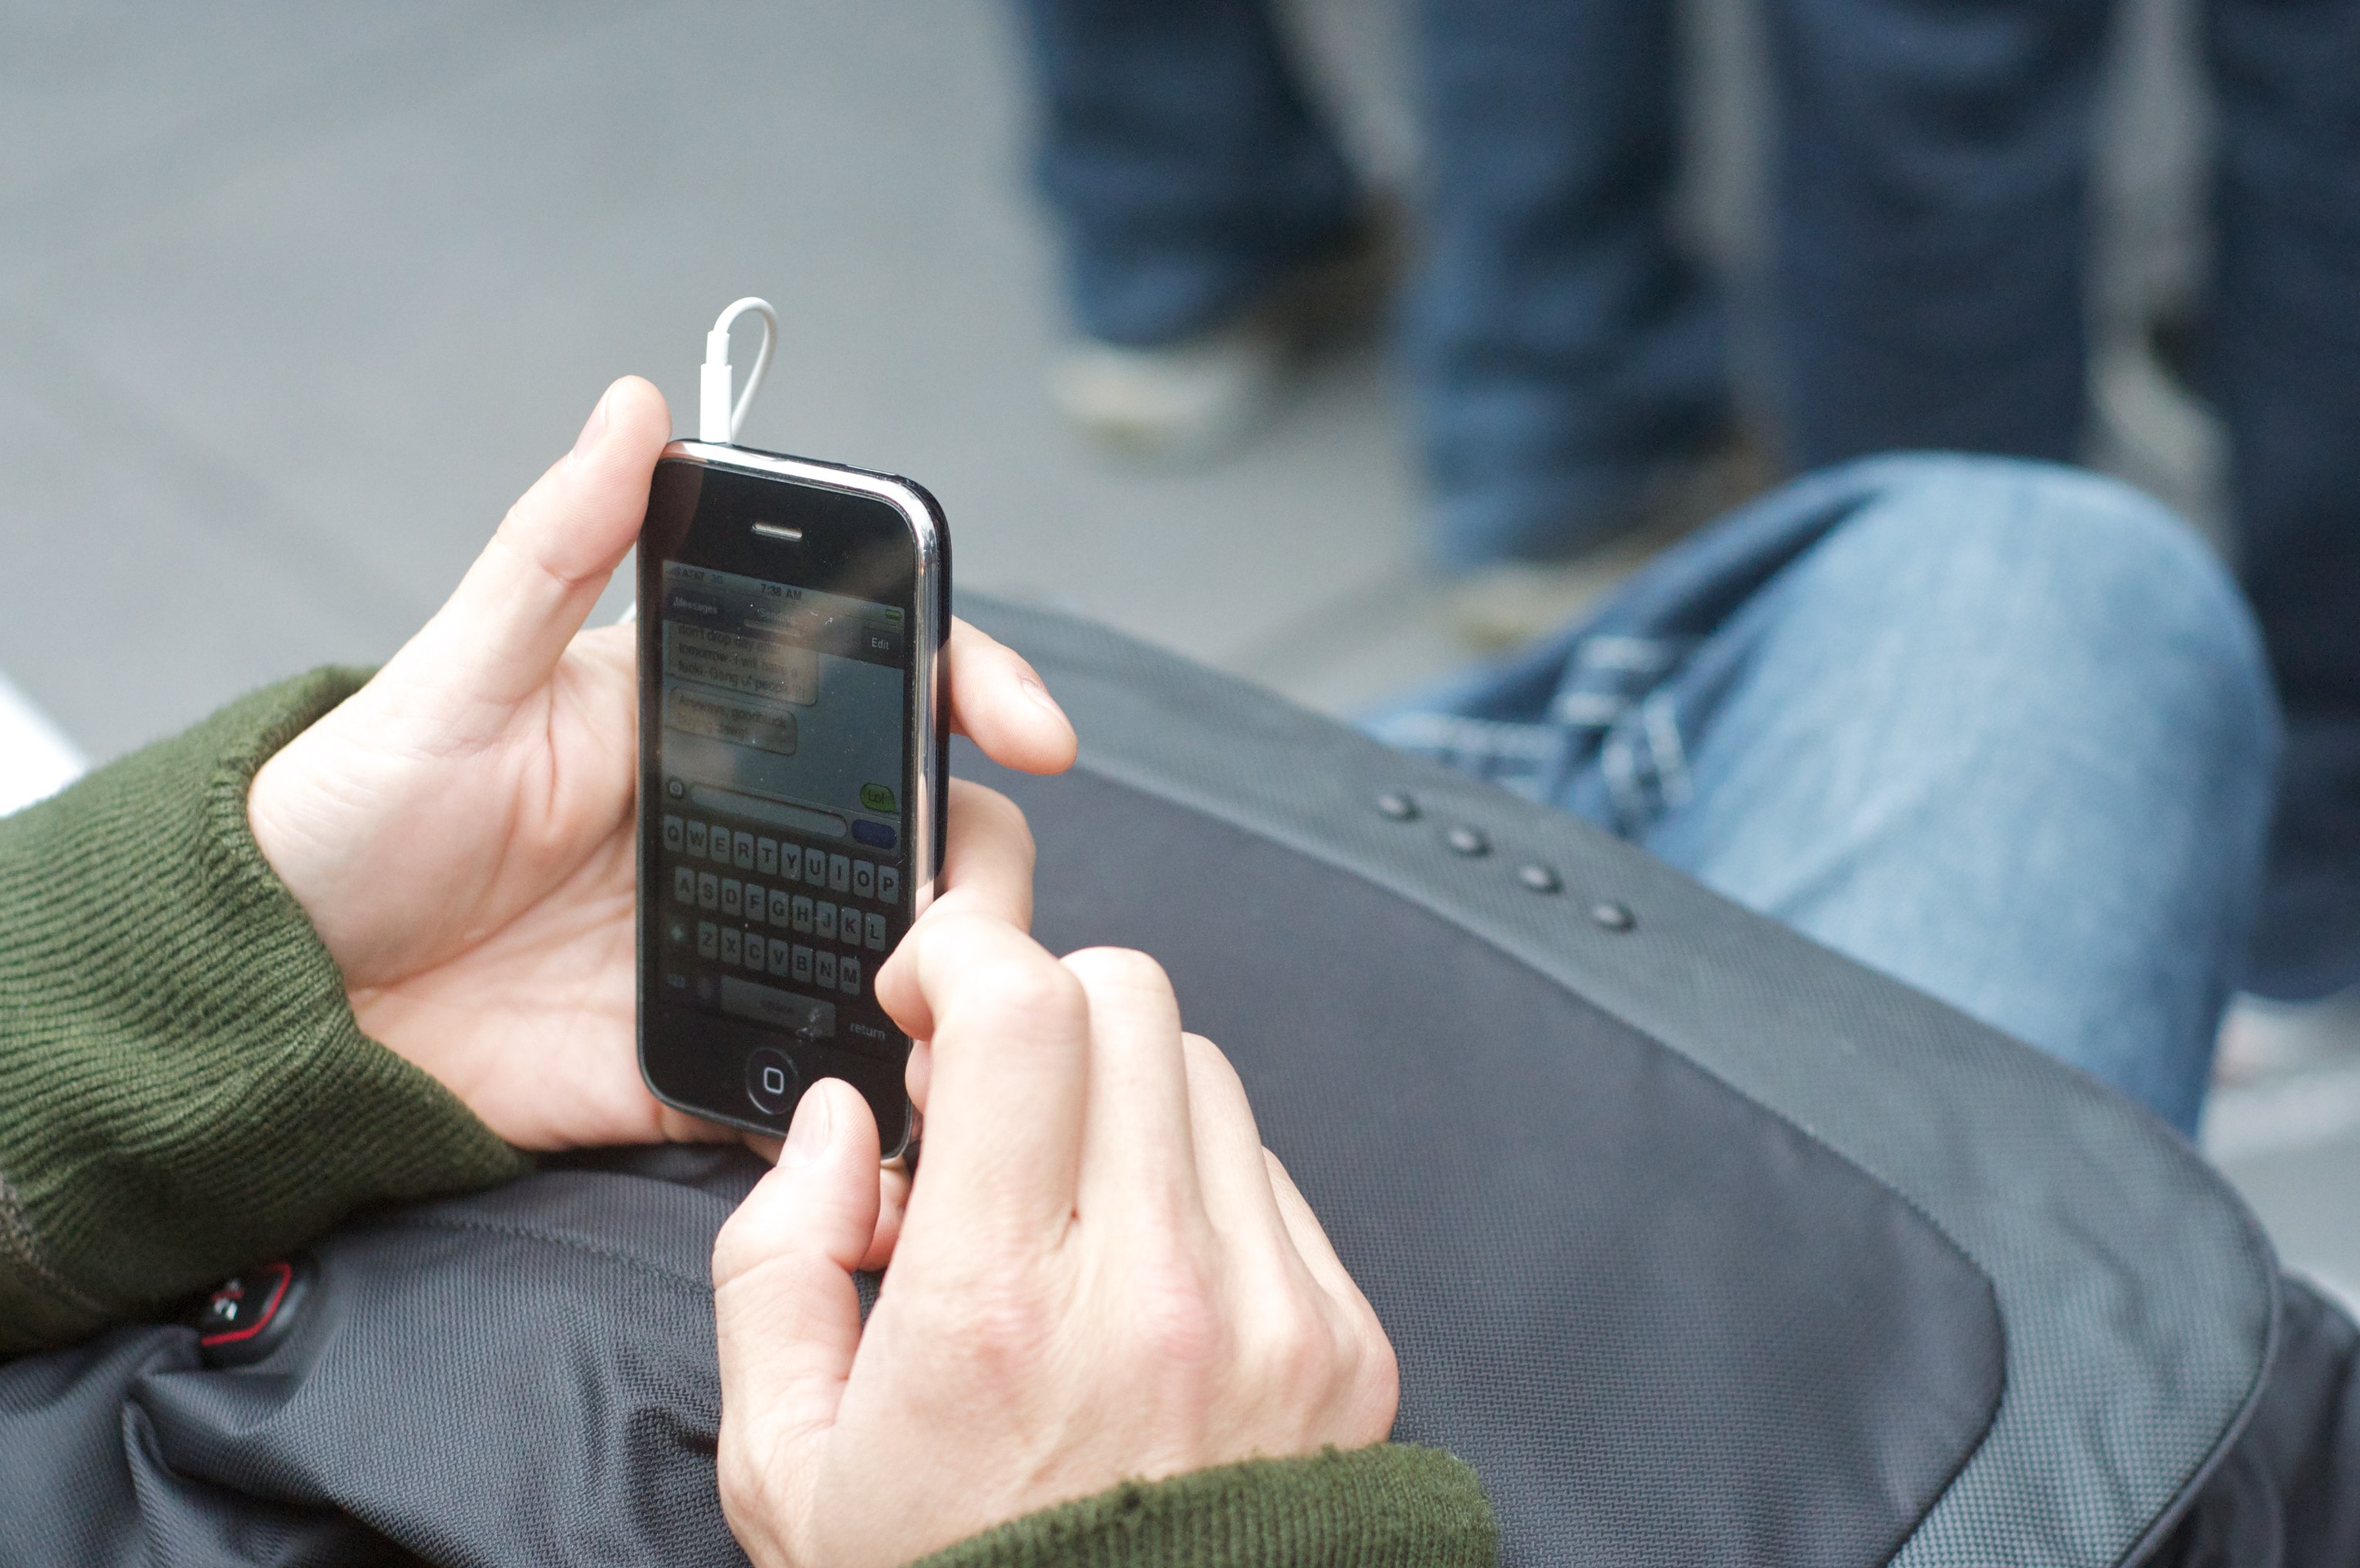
(2286, 1077)
(1195, 398)
(1496, 608)
(1173, 403)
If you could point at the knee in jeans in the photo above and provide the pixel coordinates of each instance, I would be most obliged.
(2071, 562)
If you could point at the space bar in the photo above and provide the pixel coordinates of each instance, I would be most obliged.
(776, 812)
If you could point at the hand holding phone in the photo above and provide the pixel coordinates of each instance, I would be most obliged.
(461, 830)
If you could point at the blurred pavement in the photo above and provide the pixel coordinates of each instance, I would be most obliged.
(293, 300)
(296, 299)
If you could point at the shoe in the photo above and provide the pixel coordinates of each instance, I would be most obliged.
(1194, 399)
(1496, 608)
(2152, 423)
(2286, 1077)
(1188, 401)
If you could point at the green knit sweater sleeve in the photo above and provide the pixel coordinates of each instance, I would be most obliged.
(183, 1089)
(1392, 1505)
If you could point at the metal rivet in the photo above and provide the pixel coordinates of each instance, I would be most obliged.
(1539, 878)
(1613, 916)
(1397, 805)
(1465, 840)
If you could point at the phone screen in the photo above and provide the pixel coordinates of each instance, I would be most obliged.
(778, 683)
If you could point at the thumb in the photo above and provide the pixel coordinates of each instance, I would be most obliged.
(502, 632)
(786, 1314)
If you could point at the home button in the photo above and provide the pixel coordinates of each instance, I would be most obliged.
(771, 1082)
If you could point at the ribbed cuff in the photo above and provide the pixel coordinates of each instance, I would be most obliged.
(183, 1089)
(1387, 1506)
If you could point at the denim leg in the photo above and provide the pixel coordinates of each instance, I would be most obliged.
(1999, 729)
(1928, 249)
(2285, 367)
(1560, 350)
(2006, 734)
(1180, 158)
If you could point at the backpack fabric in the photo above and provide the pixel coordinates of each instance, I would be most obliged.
(1698, 1242)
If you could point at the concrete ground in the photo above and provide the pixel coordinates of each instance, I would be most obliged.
(295, 299)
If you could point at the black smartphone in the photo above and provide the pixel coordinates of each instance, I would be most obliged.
(791, 620)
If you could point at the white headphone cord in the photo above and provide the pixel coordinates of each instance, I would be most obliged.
(719, 419)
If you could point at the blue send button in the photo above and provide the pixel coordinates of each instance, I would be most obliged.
(876, 835)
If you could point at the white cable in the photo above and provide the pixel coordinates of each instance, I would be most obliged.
(719, 419)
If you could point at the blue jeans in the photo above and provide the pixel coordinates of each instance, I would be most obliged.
(1560, 350)
(2001, 730)
(1928, 291)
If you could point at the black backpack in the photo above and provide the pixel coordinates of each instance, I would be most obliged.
(1699, 1243)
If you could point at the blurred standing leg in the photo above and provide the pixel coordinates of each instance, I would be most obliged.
(1562, 352)
(1181, 160)
(1929, 245)
(1929, 264)
(2284, 365)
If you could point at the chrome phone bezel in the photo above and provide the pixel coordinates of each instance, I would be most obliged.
(925, 644)
(927, 640)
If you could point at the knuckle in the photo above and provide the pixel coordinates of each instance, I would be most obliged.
(1298, 1350)
(1027, 995)
(1209, 1065)
(998, 1315)
(1376, 1403)
(1124, 977)
(740, 1244)
(1116, 966)
(1217, 1095)
(1276, 1166)
(1316, 1355)
(1372, 1391)
(1174, 1314)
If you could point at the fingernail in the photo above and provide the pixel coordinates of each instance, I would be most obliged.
(593, 427)
(1040, 693)
(808, 1133)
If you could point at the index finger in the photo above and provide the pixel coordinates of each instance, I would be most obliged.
(1010, 1075)
(986, 870)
